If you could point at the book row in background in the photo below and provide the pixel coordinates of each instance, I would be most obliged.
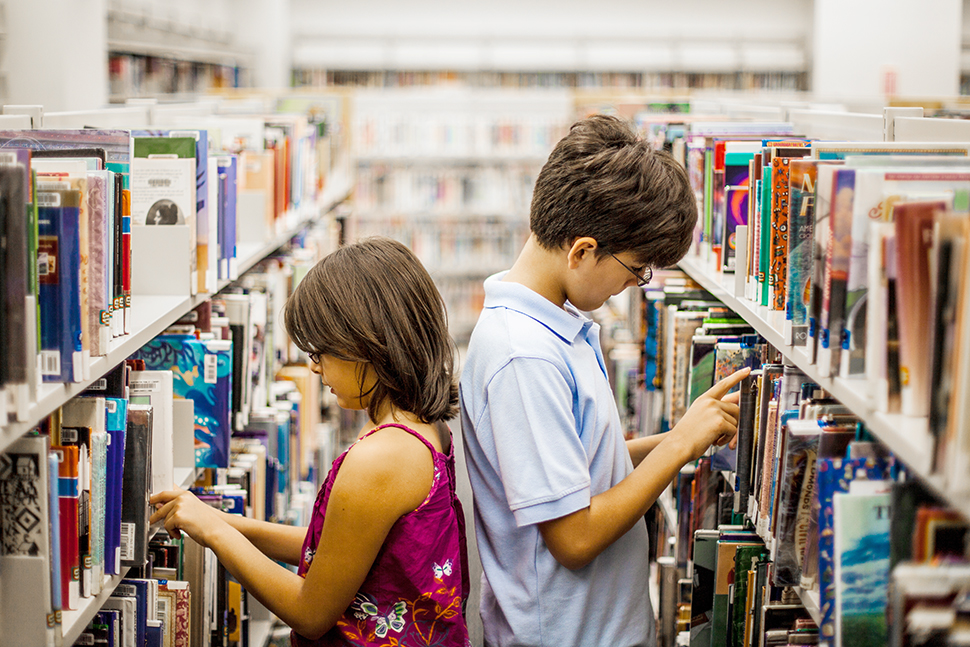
(92, 217)
(857, 255)
(810, 531)
(220, 402)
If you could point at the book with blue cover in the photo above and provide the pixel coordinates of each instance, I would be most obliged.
(861, 556)
(116, 425)
(59, 261)
(202, 372)
(228, 176)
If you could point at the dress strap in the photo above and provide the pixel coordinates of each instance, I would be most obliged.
(405, 428)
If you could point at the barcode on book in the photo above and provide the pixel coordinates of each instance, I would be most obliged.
(8, 158)
(50, 362)
(100, 384)
(85, 639)
(161, 610)
(127, 541)
(126, 591)
(143, 386)
(68, 435)
(211, 369)
(48, 199)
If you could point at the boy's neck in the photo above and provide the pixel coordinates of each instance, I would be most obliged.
(540, 270)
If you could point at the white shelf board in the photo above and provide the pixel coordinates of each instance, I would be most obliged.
(452, 159)
(74, 622)
(259, 632)
(810, 601)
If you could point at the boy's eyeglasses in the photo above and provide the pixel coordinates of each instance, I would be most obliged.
(314, 357)
(642, 279)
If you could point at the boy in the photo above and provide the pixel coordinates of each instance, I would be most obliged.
(559, 495)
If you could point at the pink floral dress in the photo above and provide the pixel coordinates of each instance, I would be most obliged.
(416, 590)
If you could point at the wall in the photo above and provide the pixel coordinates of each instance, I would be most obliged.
(564, 35)
(54, 54)
(867, 49)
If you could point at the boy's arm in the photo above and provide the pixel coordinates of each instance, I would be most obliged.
(577, 538)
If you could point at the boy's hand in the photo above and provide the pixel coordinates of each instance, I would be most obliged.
(183, 512)
(712, 419)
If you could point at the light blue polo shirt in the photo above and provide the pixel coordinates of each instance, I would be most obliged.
(542, 435)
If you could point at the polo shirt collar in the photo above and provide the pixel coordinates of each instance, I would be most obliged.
(567, 323)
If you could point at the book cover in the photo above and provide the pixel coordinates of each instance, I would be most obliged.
(69, 496)
(702, 356)
(202, 372)
(88, 416)
(745, 558)
(137, 479)
(163, 192)
(116, 424)
(803, 175)
(861, 565)
(156, 389)
(737, 186)
(14, 255)
(181, 612)
(127, 614)
(797, 488)
(27, 614)
(914, 241)
(702, 587)
(742, 481)
(820, 244)
(59, 260)
(99, 262)
(229, 185)
(724, 584)
(116, 143)
(835, 277)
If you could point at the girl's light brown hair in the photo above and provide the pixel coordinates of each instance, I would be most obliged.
(374, 302)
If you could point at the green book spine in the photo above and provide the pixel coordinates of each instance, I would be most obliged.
(765, 241)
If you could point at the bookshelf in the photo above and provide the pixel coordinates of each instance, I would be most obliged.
(150, 316)
(153, 314)
(449, 172)
(908, 438)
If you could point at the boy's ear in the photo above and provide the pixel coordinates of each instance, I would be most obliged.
(583, 247)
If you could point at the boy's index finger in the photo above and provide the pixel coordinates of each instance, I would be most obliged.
(721, 389)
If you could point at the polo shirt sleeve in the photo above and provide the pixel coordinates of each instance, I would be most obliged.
(541, 459)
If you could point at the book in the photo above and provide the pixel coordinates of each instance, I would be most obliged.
(180, 612)
(116, 425)
(820, 244)
(68, 515)
(155, 388)
(188, 359)
(834, 278)
(702, 587)
(230, 183)
(914, 235)
(802, 178)
(27, 615)
(14, 259)
(861, 563)
(797, 489)
(135, 509)
(59, 260)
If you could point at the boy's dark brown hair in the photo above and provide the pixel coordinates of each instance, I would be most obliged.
(603, 181)
(374, 302)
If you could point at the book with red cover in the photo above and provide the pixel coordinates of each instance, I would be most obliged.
(69, 496)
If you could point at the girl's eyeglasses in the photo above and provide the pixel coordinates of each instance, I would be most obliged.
(314, 357)
(642, 278)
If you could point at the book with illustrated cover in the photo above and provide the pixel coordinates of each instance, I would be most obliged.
(100, 261)
(27, 615)
(736, 196)
(115, 143)
(779, 230)
(202, 372)
(745, 558)
(794, 506)
(59, 260)
(181, 611)
(861, 563)
(802, 179)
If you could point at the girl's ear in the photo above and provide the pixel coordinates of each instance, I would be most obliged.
(583, 248)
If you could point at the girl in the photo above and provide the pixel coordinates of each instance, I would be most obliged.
(383, 561)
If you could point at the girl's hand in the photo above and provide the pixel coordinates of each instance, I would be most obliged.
(183, 512)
